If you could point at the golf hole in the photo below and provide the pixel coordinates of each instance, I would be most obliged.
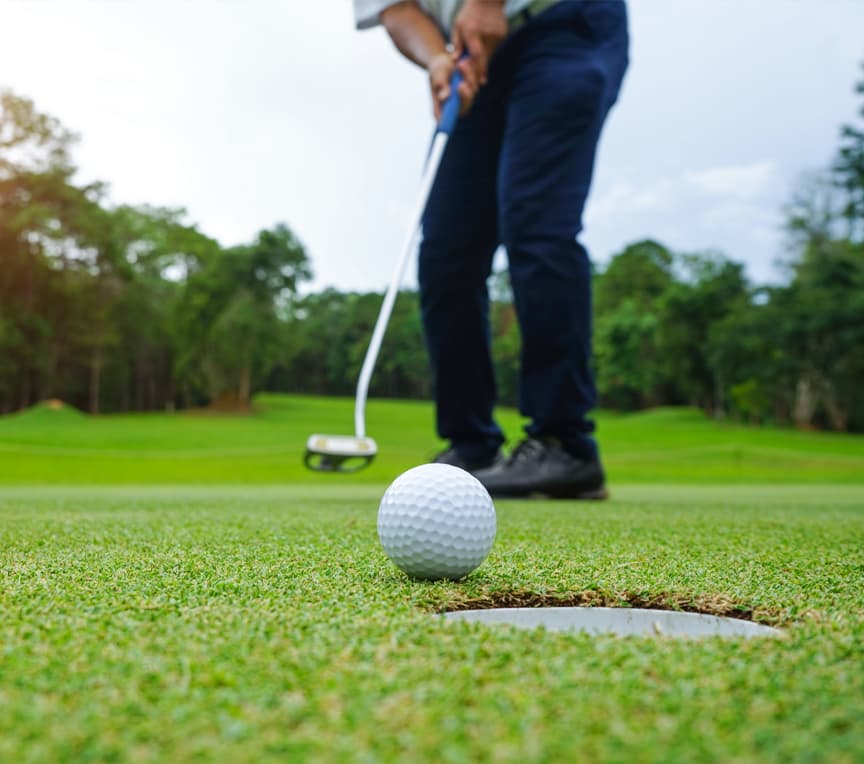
(623, 622)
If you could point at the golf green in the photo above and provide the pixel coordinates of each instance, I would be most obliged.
(242, 619)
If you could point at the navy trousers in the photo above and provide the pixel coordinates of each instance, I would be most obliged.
(516, 172)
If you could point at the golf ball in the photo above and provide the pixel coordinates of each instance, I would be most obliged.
(436, 521)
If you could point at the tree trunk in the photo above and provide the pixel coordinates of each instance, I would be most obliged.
(169, 384)
(139, 383)
(95, 378)
(44, 388)
(244, 391)
(805, 403)
(126, 394)
(836, 413)
(24, 400)
(719, 399)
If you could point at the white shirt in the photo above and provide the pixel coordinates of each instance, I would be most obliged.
(366, 12)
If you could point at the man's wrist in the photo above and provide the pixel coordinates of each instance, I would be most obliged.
(414, 32)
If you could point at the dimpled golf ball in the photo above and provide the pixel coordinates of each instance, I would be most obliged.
(436, 521)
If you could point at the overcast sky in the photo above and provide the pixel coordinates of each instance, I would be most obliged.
(249, 113)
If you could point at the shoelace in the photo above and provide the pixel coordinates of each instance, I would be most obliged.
(528, 450)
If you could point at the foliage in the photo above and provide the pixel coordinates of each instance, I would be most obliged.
(627, 333)
(848, 171)
(118, 308)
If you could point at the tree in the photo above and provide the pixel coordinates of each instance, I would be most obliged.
(848, 172)
(229, 313)
(712, 288)
(625, 342)
(39, 207)
(750, 351)
(825, 323)
(640, 273)
(824, 310)
(627, 298)
(30, 141)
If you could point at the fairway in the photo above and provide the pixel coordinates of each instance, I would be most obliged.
(65, 447)
(176, 588)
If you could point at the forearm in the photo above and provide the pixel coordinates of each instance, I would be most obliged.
(415, 34)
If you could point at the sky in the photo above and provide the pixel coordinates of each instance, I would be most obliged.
(263, 111)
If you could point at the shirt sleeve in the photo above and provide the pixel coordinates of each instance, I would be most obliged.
(366, 12)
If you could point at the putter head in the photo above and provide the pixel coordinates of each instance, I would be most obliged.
(339, 453)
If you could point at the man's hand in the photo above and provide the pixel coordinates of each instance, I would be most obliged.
(479, 28)
(441, 68)
(418, 38)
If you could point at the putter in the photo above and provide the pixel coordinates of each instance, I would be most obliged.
(344, 453)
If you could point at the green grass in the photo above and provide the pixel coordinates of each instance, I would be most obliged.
(235, 625)
(63, 447)
(262, 622)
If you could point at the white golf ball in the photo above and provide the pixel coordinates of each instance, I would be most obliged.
(436, 521)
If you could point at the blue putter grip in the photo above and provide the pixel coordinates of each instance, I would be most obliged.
(450, 112)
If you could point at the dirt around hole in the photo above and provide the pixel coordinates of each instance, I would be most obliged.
(708, 604)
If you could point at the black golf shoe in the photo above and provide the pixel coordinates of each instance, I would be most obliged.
(543, 466)
(451, 456)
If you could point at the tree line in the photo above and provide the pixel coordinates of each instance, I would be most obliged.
(121, 308)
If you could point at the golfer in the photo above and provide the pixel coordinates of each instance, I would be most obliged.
(539, 80)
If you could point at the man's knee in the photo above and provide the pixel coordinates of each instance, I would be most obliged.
(449, 265)
(546, 255)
